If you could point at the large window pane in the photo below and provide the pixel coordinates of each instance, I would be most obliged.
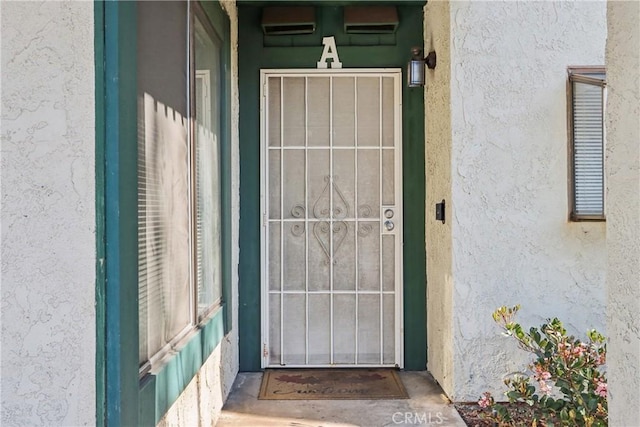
(163, 176)
(207, 142)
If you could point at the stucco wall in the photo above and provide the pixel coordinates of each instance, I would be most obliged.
(511, 240)
(48, 223)
(438, 187)
(623, 212)
(202, 400)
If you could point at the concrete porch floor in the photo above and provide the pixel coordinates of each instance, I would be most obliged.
(427, 405)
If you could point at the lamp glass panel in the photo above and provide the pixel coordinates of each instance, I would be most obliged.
(415, 73)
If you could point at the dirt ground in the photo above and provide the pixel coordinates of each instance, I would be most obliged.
(475, 416)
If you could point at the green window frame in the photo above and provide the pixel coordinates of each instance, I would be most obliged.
(122, 396)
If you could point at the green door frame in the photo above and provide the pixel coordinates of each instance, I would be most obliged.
(355, 51)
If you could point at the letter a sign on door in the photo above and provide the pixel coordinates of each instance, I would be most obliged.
(329, 52)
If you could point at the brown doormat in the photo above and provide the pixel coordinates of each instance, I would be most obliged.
(314, 384)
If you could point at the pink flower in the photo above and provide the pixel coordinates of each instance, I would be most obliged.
(578, 351)
(601, 390)
(544, 387)
(486, 400)
(565, 349)
(540, 374)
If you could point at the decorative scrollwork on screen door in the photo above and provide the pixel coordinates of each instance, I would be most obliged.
(330, 211)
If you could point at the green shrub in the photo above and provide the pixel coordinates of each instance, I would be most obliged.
(565, 385)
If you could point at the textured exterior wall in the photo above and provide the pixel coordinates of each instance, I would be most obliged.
(623, 212)
(438, 187)
(201, 402)
(48, 215)
(512, 242)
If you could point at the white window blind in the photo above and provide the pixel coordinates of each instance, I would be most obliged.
(587, 124)
(179, 174)
(164, 238)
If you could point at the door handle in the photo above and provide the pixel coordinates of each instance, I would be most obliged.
(389, 225)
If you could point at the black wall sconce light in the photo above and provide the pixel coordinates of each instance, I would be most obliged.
(415, 68)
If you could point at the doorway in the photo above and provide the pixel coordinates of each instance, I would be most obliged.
(331, 192)
(300, 54)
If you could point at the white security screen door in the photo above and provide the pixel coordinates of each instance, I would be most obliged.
(332, 218)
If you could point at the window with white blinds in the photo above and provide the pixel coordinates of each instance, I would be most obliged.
(207, 142)
(179, 268)
(587, 89)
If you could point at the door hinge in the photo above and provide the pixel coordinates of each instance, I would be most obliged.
(265, 352)
(264, 219)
